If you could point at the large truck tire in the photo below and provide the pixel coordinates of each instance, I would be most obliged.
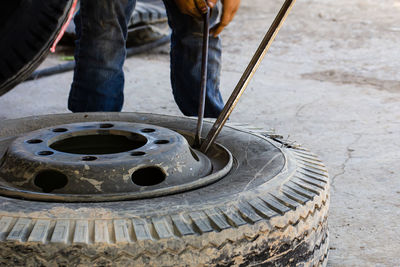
(27, 30)
(270, 210)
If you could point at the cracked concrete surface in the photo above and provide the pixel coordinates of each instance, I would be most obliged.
(349, 152)
(331, 82)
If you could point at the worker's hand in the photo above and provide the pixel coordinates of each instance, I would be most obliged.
(229, 8)
(188, 7)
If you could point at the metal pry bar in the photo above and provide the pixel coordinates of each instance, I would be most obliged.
(247, 75)
(203, 84)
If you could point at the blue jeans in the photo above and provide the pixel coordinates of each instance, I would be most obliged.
(101, 29)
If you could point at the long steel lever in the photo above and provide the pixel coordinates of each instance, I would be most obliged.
(247, 75)
(203, 85)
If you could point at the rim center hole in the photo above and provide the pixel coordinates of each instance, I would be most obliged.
(99, 142)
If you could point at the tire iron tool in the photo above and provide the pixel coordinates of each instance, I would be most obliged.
(247, 75)
(204, 9)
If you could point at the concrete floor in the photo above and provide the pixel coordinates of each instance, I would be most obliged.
(331, 82)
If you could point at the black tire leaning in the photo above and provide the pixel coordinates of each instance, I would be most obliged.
(26, 37)
(244, 219)
(148, 12)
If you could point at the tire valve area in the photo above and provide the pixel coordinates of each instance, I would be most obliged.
(50, 180)
(148, 176)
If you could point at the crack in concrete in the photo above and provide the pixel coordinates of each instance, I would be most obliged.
(302, 107)
(343, 166)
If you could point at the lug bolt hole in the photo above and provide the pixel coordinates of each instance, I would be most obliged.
(138, 153)
(161, 142)
(89, 158)
(60, 130)
(45, 153)
(34, 141)
(148, 130)
(106, 125)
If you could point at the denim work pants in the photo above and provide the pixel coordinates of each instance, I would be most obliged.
(101, 29)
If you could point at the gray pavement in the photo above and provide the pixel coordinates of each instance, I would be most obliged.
(331, 82)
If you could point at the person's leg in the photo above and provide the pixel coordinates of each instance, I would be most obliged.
(101, 28)
(186, 52)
